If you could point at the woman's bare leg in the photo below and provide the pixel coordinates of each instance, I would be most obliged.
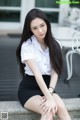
(33, 104)
(62, 111)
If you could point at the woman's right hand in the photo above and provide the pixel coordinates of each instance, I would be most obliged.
(48, 105)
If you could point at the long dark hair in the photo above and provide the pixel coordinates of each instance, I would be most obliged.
(54, 48)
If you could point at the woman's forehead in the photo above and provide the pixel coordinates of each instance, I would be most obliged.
(37, 21)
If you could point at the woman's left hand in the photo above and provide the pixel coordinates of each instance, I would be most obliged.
(48, 106)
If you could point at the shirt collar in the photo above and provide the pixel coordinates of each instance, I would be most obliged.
(36, 43)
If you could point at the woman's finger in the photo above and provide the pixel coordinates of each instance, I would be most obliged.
(44, 97)
(49, 110)
(45, 111)
(55, 108)
(42, 102)
(53, 112)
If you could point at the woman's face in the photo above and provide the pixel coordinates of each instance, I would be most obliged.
(39, 28)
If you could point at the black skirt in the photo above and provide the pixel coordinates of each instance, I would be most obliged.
(28, 87)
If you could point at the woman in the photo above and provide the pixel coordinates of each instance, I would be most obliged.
(40, 59)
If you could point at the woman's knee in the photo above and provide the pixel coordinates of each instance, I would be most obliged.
(59, 102)
(61, 107)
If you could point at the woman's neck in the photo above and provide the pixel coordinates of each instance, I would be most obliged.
(43, 46)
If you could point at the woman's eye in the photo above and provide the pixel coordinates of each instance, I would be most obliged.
(34, 28)
(42, 25)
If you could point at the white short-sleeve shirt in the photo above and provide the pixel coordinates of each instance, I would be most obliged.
(31, 49)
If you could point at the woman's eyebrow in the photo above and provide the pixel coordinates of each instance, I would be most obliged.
(34, 26)
(39, 24)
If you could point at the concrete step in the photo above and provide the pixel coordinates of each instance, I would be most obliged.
(14, 111)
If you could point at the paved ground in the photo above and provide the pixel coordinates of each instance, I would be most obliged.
(9, 72)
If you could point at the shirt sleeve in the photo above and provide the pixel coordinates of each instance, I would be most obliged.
(26, 52)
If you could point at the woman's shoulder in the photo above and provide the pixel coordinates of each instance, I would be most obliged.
(27, 43)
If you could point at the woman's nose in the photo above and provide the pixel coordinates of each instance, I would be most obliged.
(40, 30)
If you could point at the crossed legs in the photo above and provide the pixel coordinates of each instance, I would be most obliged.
(34, 102)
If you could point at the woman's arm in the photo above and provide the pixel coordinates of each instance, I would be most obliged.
(31, 63)
(49, 102)
(53, 81)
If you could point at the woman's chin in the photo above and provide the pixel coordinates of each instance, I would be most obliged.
(42, 37)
